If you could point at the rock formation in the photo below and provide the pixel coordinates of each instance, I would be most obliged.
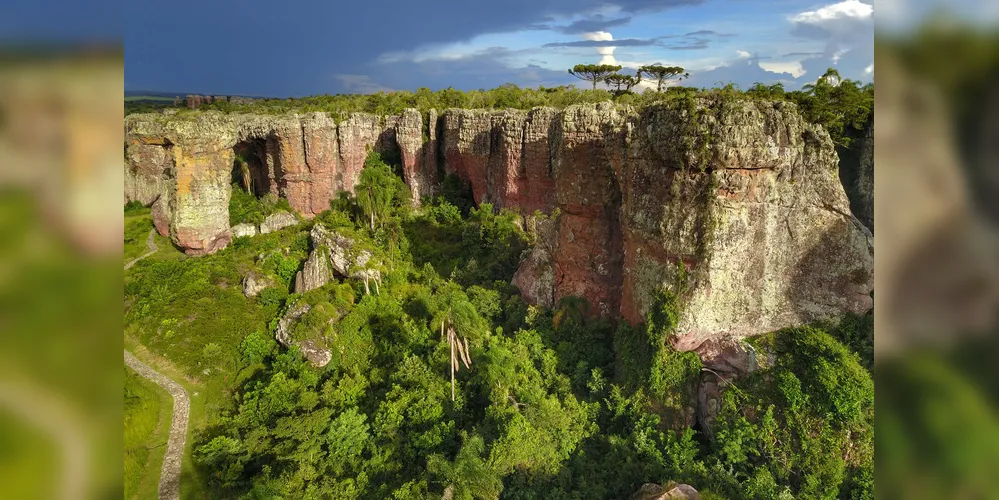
(334, 255)
(317, 356)
(277, 221)
(671, 491)
(735, 206)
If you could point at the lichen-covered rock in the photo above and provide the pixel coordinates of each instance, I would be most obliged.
(244, 229)
(345, 258)
(317, 356)
(316, 271)
(277, 221)
(254, 283)
(671, 491)
(535, 278)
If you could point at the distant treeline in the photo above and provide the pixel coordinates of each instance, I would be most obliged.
(843, 106)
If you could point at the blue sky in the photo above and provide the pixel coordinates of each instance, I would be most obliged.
(310, 47)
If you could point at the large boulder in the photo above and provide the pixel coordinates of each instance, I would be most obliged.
(243, 230)
(317, 356)
(671, 491)
(277, 221)
(254, 283)
(316, 271)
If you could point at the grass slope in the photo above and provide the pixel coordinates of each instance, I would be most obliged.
(146, 429)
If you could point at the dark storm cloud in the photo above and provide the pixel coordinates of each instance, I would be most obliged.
(260, 48)
(596, 23)
(485, 69)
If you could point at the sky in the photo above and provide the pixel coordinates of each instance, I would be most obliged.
(309, 47)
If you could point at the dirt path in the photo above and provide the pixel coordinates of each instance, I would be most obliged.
(170, 476)
(150, 244)
(169, 488)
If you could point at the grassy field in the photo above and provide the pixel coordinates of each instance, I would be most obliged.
(147, 427)
(26, 458)
(185, 317)
(137, 227)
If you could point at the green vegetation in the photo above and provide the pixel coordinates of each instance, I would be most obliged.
(443, 379)
(147, 426)
(244, 207)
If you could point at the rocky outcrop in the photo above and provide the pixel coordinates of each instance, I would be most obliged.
(335, 255)
(243, 230)
(735, 206)
(254, 283)
(317, 356)
(671, 491)
(188, 162)
(277, 221)
(316, 271)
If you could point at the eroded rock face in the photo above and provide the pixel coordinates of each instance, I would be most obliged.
(188, 162)
(743, 201)
(536, 277)
(504, 155)
(735, 206)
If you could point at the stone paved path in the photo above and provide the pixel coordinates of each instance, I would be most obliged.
(169, 488)
(150, 244)
(170, 476)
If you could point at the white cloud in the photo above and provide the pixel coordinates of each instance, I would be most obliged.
(606, 53)
(743, 54)
(870, 69)
(794, 68)
(843, 10)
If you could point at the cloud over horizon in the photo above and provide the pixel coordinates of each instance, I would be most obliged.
(321, 48)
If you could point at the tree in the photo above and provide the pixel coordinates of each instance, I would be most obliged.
(457, 319)
(593, 72)
(378, 190)
(468, 476)
(661, 74)
(622, 83)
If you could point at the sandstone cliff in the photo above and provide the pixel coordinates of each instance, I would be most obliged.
(741, 198)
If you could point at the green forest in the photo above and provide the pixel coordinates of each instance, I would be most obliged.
(443, 381)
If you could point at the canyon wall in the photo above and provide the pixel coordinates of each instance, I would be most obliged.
(735, 206)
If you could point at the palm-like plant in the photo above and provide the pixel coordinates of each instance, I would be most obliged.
(457, 320)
